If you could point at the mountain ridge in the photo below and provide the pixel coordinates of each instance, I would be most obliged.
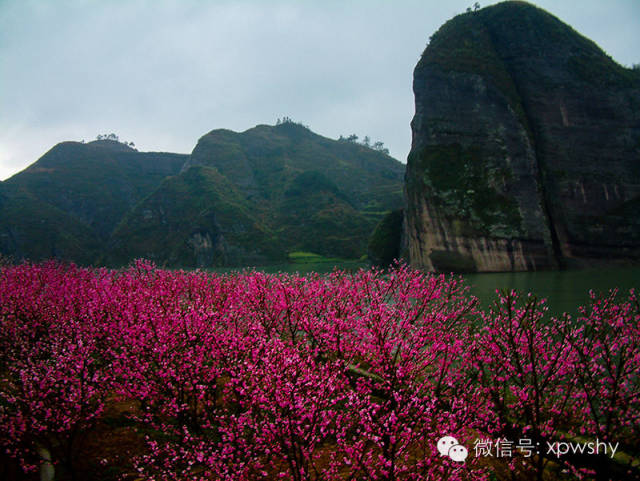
(247, 198)
(304, 192)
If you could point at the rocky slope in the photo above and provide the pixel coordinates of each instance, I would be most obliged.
(196, 219)
(526, 147)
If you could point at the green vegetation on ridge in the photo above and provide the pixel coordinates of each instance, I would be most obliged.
(245, 198)
(311, 193)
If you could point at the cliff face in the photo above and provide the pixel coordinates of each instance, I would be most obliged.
(526, 146)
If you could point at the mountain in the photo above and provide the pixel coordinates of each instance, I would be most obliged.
(195, 219)
(247, 198)
(30, 228)
(67, 203)
(526, 147)
(254, 197)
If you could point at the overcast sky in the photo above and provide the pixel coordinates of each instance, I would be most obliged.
(163, 73)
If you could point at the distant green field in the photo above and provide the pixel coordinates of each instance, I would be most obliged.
(311, 257)
(304, 263)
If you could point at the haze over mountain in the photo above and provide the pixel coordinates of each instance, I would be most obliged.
(247, 198)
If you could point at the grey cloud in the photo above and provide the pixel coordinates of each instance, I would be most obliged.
(162, 73)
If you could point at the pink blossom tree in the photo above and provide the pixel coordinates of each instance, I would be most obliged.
(605, 339)
(527, 372)
(55, 380)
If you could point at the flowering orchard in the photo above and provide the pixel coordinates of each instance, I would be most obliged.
(350, 376)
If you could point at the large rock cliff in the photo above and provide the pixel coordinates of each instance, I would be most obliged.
(526, 147)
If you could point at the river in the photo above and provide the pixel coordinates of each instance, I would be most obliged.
(564, 290)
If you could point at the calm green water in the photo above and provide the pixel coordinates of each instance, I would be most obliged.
(564, 290)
